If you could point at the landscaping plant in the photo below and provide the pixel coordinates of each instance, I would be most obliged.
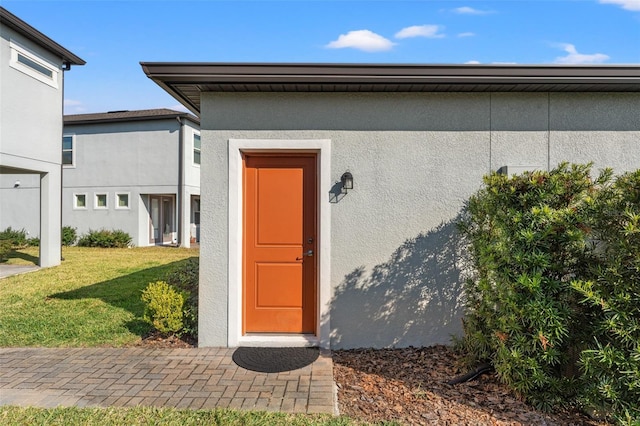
(611, 367)
(185, 277)
(69, 236)
(529, 237)
(163, 307)
(105, 238)
(554, 301)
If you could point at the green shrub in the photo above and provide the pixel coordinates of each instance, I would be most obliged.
(185, 276)
(105, 238)
(69, 236)
(5, 249)
(33, 242)
(611, 367)
(529, 236)
(18, 238)
(163, 307)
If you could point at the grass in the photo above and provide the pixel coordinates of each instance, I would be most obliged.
(161, 416)
(92, 299)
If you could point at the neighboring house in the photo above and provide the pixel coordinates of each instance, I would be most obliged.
(32, 70)
(292, 256)
(138, 171)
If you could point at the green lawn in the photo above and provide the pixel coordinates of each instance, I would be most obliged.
(91, 299)
(161, 416)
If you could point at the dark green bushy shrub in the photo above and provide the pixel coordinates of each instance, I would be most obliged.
(105, 238)
(554, 304)
(69, 236)
(5, 249)
(185, 277)
(529, 237)
(163, 307)
(17, 237)
(611, 367)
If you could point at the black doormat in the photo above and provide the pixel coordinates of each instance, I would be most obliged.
(274, 360)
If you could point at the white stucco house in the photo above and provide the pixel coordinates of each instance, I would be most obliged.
(331, 190)
(138, 171)
(32, 68)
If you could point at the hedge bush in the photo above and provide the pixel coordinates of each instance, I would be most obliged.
(105, 238)
(69, 236)
(163, 307)
(611, 367)
(554, 301)
(185, 277)
(17, 237)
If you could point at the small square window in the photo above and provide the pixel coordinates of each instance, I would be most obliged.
(101, 201)
(80, 201)
(122, 201)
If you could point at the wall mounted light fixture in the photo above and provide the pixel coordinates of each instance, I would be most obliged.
(347, 181)
(16, 184)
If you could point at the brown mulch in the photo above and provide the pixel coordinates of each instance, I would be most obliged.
(409, 386)
(157, 340)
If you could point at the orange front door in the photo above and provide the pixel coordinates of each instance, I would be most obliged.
(279, 272)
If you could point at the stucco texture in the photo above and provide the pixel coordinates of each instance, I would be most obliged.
(396, 262)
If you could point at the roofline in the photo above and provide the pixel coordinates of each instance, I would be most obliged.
(90, 120)
(12, 21)
(340, 77)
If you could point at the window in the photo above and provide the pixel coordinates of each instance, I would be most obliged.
(101, 201)
(33, 65)
(80, 201)
(68, 157)
(196, 148)
(122, 201)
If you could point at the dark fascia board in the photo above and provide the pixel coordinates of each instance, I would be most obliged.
(260, 73)
(12, 21)
(175, 76)
(124, 116)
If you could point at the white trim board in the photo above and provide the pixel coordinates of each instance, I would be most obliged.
(322, 147)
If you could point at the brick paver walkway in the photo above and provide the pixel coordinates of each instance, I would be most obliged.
(182, 378)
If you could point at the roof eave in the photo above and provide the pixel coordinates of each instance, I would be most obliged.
(17, 24)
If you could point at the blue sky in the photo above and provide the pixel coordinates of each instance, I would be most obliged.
(115, 36)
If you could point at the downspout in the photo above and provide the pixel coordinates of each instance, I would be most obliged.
(180, 196)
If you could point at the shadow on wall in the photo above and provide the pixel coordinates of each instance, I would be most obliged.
(413, 299)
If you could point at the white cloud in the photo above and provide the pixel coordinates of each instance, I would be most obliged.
(466, 10)
(72, 106)
(573, 57)
(472, 62)
(429, 31)
(467, 35)
(625, 4)
(365, 40)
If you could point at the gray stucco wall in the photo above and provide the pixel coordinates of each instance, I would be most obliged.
(30, 132)
(395, 263)
(130, 157)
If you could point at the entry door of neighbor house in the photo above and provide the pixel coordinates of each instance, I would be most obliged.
(280, 242)
(161, 223)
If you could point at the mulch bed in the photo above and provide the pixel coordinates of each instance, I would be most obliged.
(409, 386)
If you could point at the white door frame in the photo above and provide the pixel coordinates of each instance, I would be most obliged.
(321, 147)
